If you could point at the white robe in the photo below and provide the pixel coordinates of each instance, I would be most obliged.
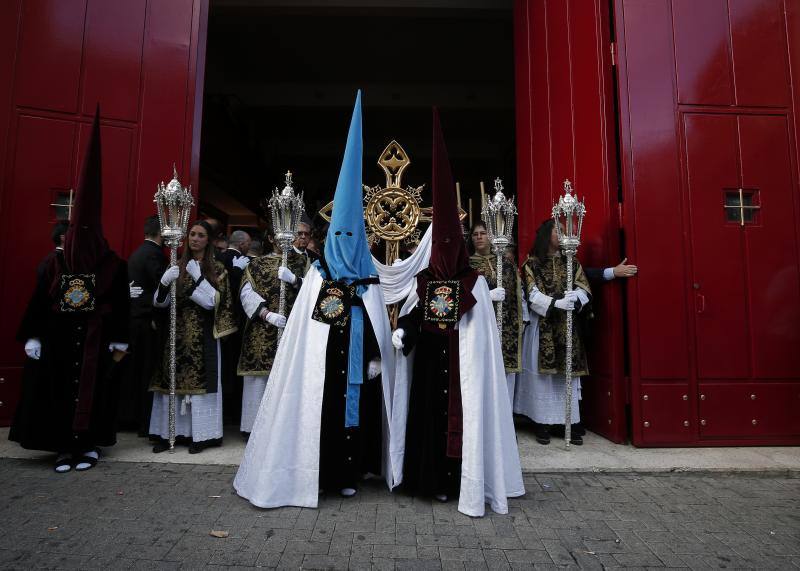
(280, 466)
(542, 398)
(490, 466)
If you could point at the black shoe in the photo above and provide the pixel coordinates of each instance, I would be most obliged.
(576, 440)
(197, 447)
(160, 446)
(542, 435)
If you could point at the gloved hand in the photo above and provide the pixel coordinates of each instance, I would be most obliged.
(498, 294)
(397, 261)
(286, 275)
(272, 318)
(33, 348)
(135, 291)
(397, 338)
(193, 269)
(170, 275)
(568, 301)
(118, 347)
(374, 369)
(241, 262)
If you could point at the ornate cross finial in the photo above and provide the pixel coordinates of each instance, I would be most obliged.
(498, 185)
(568, 187)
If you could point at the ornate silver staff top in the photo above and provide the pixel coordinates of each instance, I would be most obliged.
(174, 203)
(569, 212)
(287, 208)
(498, 214)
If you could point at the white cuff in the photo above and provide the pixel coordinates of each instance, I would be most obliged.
(608, 274)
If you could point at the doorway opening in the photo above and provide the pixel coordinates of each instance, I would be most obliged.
(280, 82)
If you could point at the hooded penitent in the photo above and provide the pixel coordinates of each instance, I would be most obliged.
(347, 258)
(449, 258)
(84, 243)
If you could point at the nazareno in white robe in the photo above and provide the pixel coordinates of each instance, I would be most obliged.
(280, 466)
(490, 465)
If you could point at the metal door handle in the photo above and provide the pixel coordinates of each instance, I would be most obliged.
(702, 306)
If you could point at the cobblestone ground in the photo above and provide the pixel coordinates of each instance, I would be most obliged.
(153, 516)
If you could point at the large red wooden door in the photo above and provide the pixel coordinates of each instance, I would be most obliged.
(565, 130)
(710, 179)
(142, 62)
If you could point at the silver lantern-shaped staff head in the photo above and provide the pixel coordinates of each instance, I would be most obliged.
(286, 207)
(498, 214)
(568, 214)
(174, 203)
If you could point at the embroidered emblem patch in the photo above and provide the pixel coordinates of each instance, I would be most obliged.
(441, 302)
(77, 292)
(333, 303)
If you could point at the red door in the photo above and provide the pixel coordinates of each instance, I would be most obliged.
(58, 58)
(710, 183)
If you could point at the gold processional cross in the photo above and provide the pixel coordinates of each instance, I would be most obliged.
(393, 213)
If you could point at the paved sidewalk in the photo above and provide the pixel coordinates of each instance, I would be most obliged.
(160, 516)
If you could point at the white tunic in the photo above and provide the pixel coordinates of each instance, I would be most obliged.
(490, 466)
(542, 398)
(280, 466)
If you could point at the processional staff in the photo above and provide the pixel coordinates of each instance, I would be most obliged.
(287, 209)
(498, 214)
(174, 204)
(568, 215)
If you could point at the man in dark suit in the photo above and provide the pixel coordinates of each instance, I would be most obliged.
(621, 270)
(235, 262)
(145, 268)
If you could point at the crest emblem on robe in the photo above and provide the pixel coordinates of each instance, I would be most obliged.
(333, 303)
(77, 292)
(441, 302)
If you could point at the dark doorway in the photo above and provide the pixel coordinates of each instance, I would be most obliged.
(280, 84)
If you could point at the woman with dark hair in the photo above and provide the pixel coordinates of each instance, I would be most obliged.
(204, 307)
(541, 387)
(484, 261)
(260, 294)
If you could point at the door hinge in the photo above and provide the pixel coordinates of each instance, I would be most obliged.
(613, 49)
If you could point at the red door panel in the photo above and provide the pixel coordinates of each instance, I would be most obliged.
(772, 255)
(50, 49)
(702, 56)
(750, 410)
(718, 288)
(760, 57)
(666, 413)
(113, 59)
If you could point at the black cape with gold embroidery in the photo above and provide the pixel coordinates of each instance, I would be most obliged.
(197, 370)
(550, 278)
(512, 306)
(260, 340)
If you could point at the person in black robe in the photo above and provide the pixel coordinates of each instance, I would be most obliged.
(57, 235)
(148, 329)
(75, 331)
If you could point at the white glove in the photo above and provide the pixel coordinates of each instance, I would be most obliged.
(374, 369)
(286, 275)
(241, 262)
(568, 301)
(193, 269)
(33, 348)
(397, 338)
(135, 291)
(272, 318)
(118, 347)
(170, 275)
(397, 261)
(498, 294)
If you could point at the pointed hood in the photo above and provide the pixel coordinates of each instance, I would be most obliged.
(346, 250)
(449, 255)
(84, 243)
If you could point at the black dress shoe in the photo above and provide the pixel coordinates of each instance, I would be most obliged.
(197, 447)
(542, 435)
(576, 440)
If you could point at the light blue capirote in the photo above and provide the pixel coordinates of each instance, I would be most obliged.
(347, 253)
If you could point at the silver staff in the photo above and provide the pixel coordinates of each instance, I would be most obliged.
(568, 215)
(287, 208)
(174, 204)
(498, 214)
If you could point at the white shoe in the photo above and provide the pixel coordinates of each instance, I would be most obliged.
(441, 497)
(348, 492)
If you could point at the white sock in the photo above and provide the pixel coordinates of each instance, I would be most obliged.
(348, 492)
(86, 465)
(66, 467)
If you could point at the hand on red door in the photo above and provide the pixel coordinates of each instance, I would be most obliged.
(623, 270)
